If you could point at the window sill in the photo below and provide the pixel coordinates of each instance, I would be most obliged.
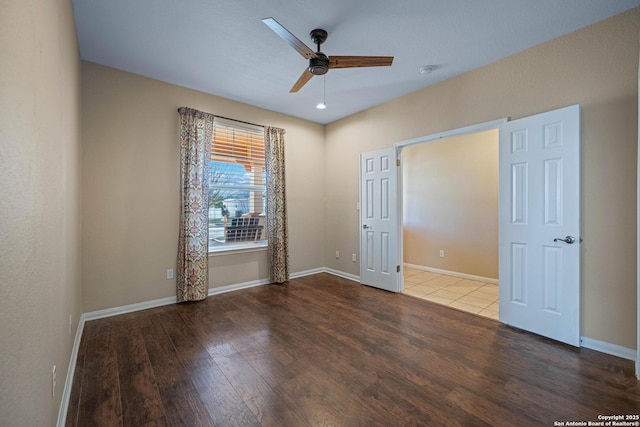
(237, 249)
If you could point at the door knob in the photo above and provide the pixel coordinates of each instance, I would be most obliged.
(569, 240)
(365, 226)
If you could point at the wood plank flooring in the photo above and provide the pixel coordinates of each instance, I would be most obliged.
(324, 351)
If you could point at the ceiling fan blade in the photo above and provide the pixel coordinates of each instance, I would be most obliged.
(359, 61)
(304, 78)
(293, 41)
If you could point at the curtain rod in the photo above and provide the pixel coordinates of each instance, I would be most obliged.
(240, 121)
(235, 120)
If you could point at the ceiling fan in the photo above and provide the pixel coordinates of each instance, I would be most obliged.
(319, 63)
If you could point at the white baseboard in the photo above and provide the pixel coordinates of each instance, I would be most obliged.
(230, 288)
(308, 272)
(130, 308)
(603, 347)
(68, 383)
(452, 273)
(608, 348)
(342, 274)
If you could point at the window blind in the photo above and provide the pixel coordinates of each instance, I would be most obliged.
(240, 145)
(237, 188)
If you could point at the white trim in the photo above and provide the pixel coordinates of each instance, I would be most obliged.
(130, 308)
(123, 309)
(399, 146)
(68, 383)
(342, 274)
(452, 273)
(230, 288)
(480, 127)
(308, 272)
(240, 249)
(603, 347)
(608, 348)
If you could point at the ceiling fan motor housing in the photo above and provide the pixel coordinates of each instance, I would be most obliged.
(320, 65)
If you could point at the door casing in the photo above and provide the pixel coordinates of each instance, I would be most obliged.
(399, 146)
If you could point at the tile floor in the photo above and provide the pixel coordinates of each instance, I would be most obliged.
(467, 295)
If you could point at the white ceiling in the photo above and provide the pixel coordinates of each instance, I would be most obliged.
(223, 48)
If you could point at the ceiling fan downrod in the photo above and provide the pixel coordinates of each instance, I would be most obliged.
(320, 65)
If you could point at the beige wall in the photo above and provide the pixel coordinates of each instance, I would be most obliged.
(131, 188)
(129, 179)
(39, 206)
(450, 202)
(595, 67)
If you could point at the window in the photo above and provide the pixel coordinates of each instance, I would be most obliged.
(237, 187)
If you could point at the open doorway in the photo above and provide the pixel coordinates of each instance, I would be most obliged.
(450, 221)
(538, 221)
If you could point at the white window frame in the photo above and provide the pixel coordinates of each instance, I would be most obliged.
(225, 248)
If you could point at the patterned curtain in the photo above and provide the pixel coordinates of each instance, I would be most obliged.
(277, 233)
(192, 274)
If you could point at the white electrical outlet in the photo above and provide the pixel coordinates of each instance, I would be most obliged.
(441, 253)
(337, 254)
(53, 381)
(170, 273)
(353, 257)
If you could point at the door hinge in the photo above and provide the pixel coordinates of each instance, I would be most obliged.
(397, 269)
(397, 162)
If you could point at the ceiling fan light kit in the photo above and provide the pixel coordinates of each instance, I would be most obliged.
(319, 63)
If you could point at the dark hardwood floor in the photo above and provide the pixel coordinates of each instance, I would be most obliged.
(324, 351)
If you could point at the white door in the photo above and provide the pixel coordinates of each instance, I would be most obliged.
(379, 265)
(539, 218)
